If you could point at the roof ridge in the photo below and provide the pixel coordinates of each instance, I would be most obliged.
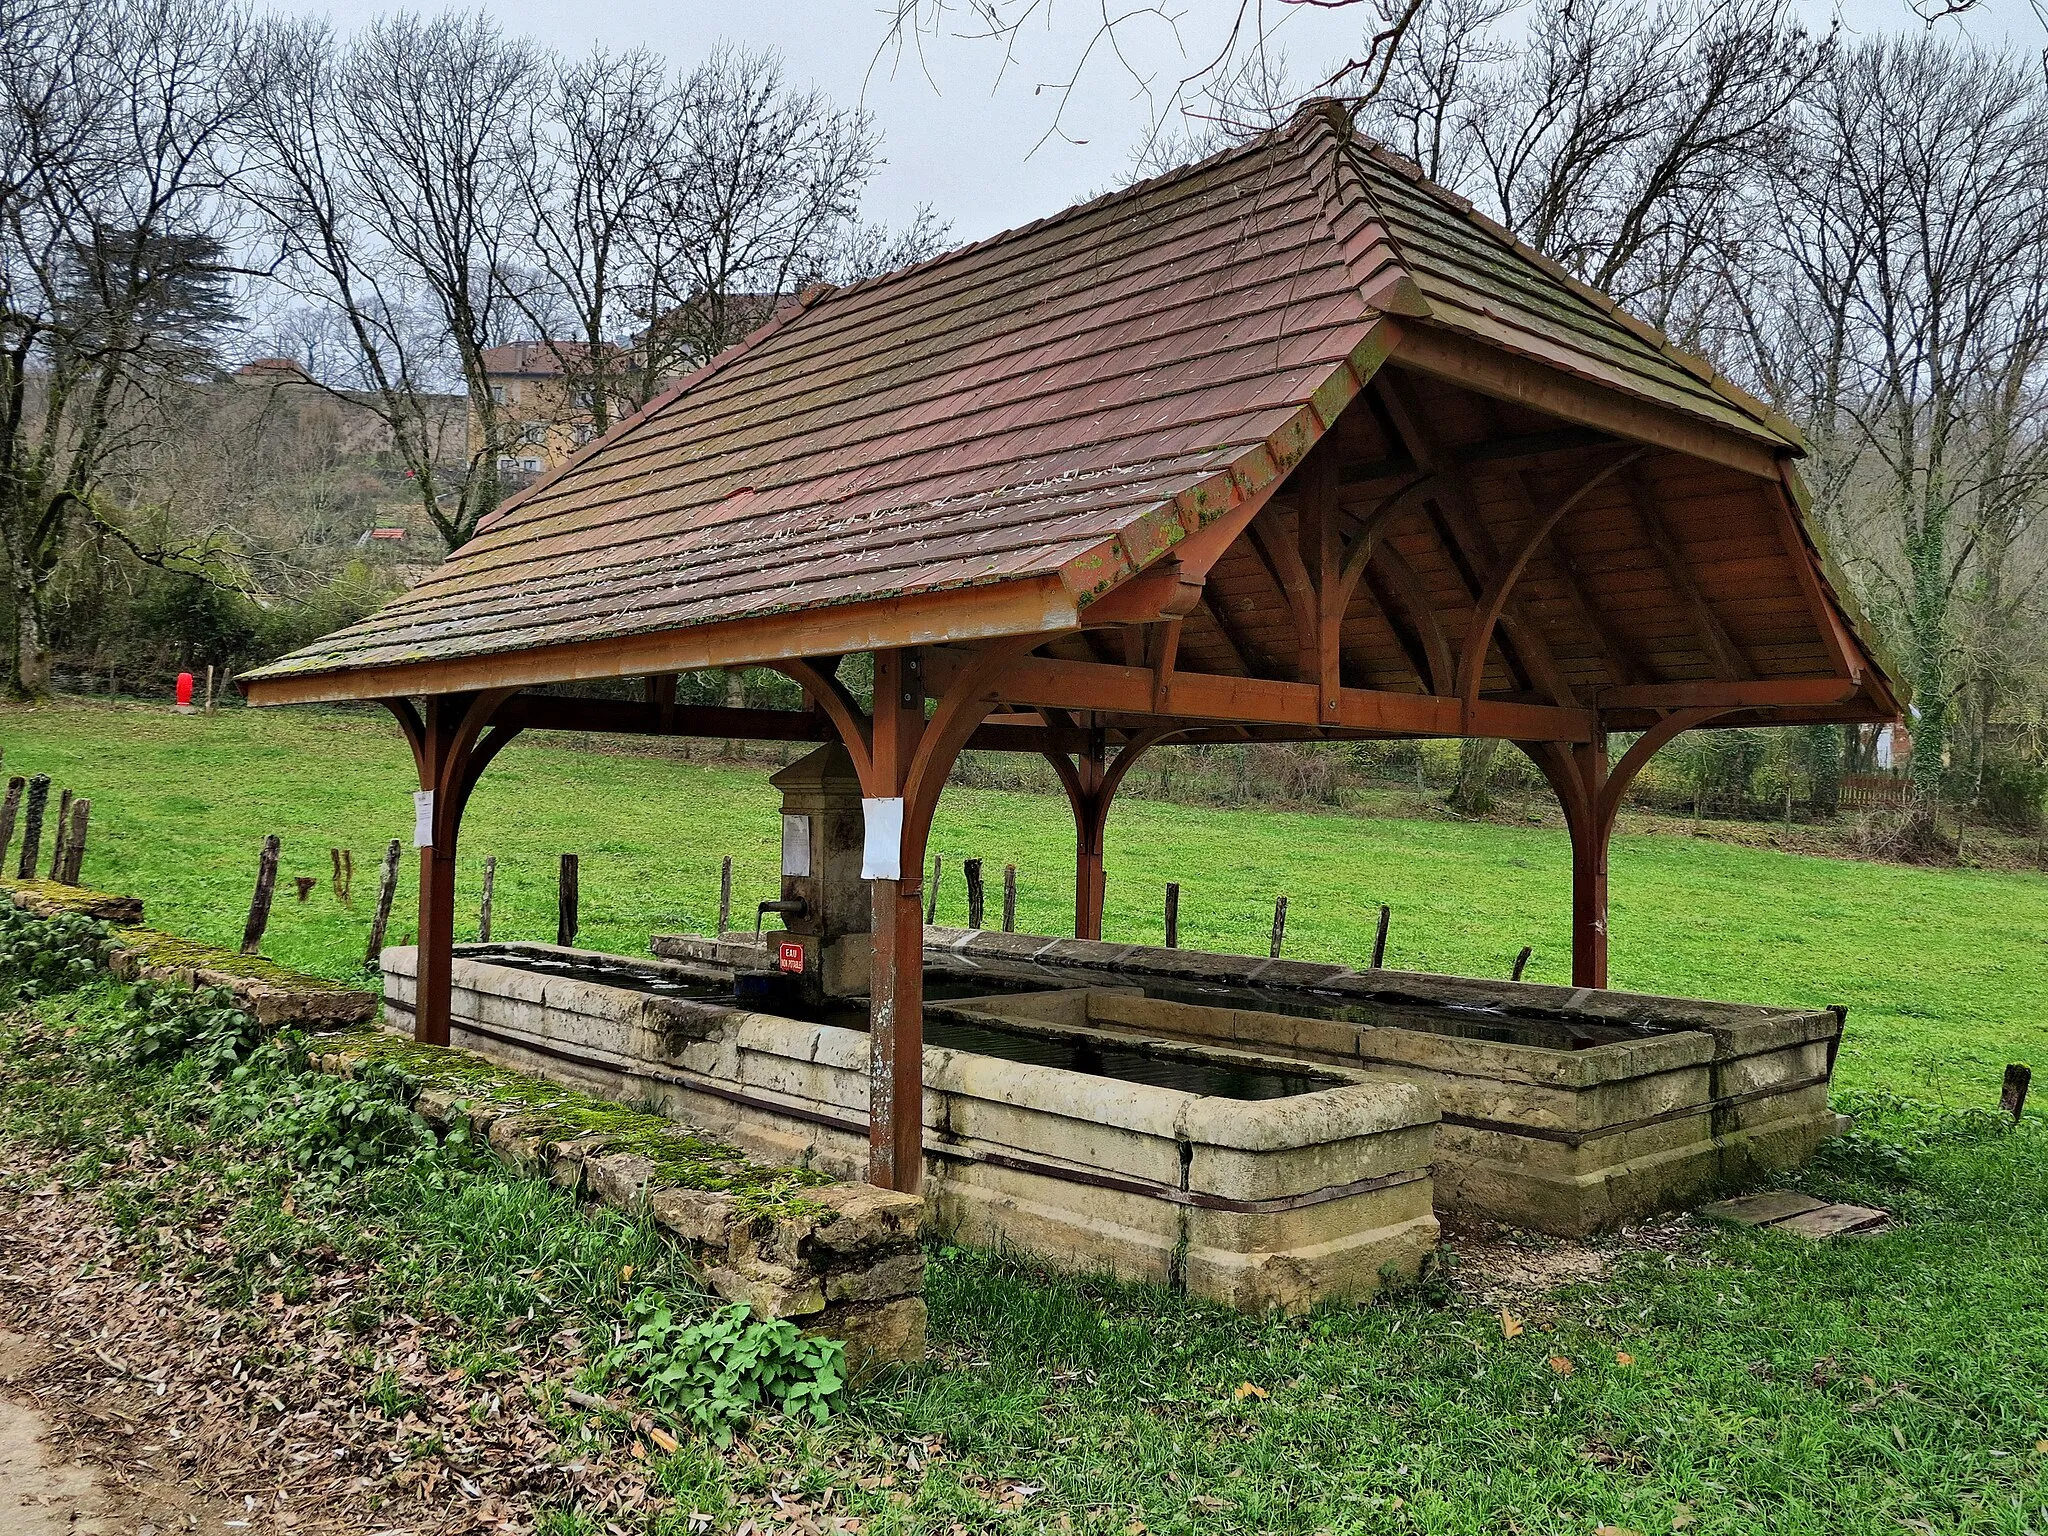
(1257, 143)
(1395, 294)
(1603, 303)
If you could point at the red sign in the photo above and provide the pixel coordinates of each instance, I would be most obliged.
(790, 956)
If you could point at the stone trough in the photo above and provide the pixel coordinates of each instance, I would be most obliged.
(1246, 1181)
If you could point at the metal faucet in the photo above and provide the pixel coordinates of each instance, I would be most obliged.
(789, 906)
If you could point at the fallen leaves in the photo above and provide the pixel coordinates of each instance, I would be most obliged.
(664, 1439)
(1623, 1357)
(1510, 1325)
(1248, 1390)
(1562, 1365)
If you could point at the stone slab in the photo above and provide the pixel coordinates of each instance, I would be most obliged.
(1833, 1221)
(1762, 1210)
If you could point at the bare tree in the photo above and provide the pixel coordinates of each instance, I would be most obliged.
(761, 199)
(393, 172)
(607, 133)
(113, 277)
(1911, 230)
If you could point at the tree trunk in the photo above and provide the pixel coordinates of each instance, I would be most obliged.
(31, 678)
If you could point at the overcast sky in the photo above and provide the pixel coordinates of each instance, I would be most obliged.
(974, 146)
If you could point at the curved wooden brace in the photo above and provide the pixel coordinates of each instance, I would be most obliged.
(486, 748)
(415, 732)
(1486, 614)
(1414, 597)
(1359, 556)
(962, 707)
(1645, 747)
(856, 730)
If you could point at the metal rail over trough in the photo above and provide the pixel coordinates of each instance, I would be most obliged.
(1289, 445)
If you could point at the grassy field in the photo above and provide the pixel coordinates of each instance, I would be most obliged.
(1943, 971)
(1693, 1380)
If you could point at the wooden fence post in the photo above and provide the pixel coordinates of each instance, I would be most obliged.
(62, 832)
(483, 921)
(931, 911)
(32, 826)
(9, 809)
(1279, 924)
(1009, 896)
(567, 898)
(2014, 1097)
(1379, 942)
(387, 887)
(977, 898)
(1173, 914)
(724, 897)
(1521, 960)
(209, 687)
(74, 845)
(259, 904)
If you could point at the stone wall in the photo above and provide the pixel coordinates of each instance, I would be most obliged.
(844, 1261)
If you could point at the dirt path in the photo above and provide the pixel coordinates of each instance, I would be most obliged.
(46, 1489)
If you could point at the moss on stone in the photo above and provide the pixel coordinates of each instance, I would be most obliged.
(682, 1158)
(168, 949)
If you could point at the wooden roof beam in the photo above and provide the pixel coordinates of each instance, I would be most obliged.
(1204, 696)
(1493, 450)
(1507, 570)
(1620, 659)
(1719, 645)
(1471, 548)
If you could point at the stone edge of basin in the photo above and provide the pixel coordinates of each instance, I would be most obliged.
(852, 1269)
(1609, 1006)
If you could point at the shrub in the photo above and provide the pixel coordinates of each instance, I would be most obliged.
(42, 955)
(331, 1127)
(716, 1373)
(162, 1025)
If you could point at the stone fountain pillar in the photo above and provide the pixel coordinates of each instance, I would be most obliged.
(823, 833)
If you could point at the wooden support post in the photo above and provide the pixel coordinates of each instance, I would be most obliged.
(348, 875)
(1521, 962)
(334, 863)
(74, 845)
(259, 903)
(32, 826)
(931, 911)
(209, 687)
(1279, 924)
(1091, 780)
(63, 831)
(724, 897)
(2013, 1099)
(483, 919)
(1009, 896)
(387, 888)
(1379, 941)
(977, 898)
(896, 975)
(1173, 914)
(567, 899)
(9, 809)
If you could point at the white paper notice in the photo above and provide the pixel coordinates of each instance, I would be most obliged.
(423, 818)
(796, 845)
(882, 856)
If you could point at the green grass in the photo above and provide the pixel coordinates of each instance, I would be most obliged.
(1853, 1388)
(1942, 970)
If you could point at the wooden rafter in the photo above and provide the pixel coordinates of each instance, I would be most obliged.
(1720, 646)
(1615, 652)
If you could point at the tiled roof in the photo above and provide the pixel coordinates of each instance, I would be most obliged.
(1063, 399)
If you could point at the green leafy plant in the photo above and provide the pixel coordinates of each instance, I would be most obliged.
(163, 1024)
(716, 1373)
(335, 1126)
(40, 956)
